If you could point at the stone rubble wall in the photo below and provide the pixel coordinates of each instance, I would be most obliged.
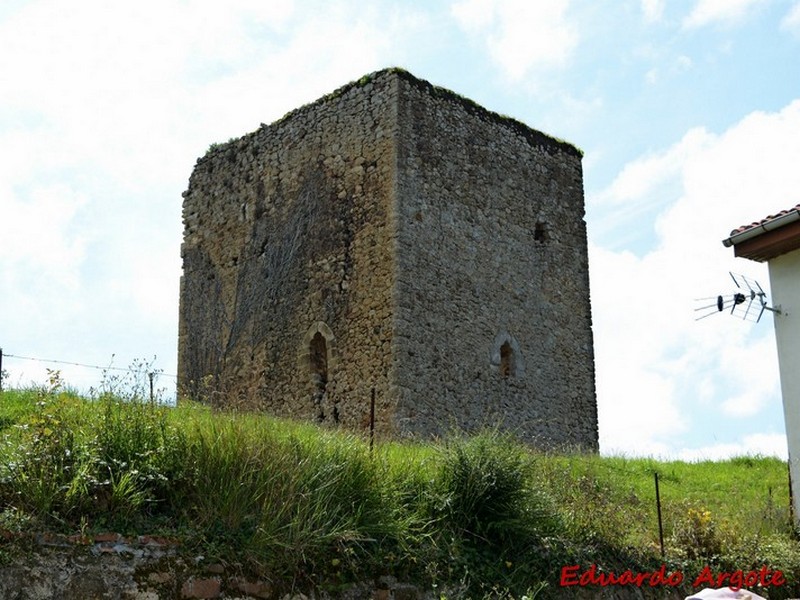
(126, 570)
(287, 233)
(423, 238)
(494, 250)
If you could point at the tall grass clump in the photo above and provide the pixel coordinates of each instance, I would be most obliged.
(487, 523)
(483, 490)
(291, 500)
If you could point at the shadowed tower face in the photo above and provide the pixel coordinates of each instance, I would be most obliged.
(392, 239)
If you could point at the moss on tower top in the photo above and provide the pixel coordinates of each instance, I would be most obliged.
(533, 136)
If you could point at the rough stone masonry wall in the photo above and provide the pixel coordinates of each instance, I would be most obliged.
(493, 252)
(435, 250)
(288, 237)
(121, 572)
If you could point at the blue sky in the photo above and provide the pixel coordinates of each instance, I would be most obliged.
(688, 113)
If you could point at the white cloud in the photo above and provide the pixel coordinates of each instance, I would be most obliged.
(649, 350)
(707, 12)
(751, 366)
(652, 10)
(683, 63)
(42, 247)
(521, 36)
(679, 65)
(333, 50)
(759, 444)
(751, 168)
(96, 76)
(791, 22)
(640, 178)
(474, 15)
(637, 411)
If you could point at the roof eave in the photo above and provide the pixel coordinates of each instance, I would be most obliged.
(768, 240)
(762, 228)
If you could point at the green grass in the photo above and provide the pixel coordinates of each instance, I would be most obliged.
(481, 516)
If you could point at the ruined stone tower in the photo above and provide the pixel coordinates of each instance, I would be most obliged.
(394, 237)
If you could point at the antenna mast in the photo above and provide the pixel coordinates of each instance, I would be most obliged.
(748, 300)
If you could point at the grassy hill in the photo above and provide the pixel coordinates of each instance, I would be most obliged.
(292, 502)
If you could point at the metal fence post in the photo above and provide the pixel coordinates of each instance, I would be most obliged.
(372, 420)
(658, 509)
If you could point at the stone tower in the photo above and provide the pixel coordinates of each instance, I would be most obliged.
(395, 239)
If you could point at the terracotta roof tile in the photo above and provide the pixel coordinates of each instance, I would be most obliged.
(744, 228)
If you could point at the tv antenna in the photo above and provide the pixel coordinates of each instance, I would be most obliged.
(749, 301)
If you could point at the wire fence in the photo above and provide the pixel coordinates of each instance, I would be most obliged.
(137, 370)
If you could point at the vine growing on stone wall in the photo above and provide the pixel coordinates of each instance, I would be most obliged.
(206, 319)
(265, 274)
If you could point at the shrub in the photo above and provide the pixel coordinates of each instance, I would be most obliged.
(697, 535)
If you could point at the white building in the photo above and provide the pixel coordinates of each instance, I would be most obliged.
(776, 240)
